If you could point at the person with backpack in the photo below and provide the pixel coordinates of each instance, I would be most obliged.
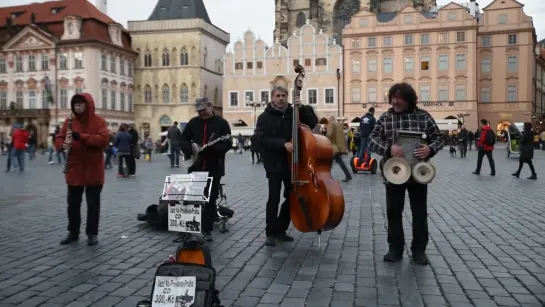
(485, 147)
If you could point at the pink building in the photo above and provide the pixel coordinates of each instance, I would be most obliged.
(252, 69)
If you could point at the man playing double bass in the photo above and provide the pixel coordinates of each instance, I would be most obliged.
(274, 133)
(405, 115)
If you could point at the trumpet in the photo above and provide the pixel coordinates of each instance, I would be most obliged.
(68, 131)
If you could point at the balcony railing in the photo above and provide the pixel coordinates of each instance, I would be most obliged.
(26, 113)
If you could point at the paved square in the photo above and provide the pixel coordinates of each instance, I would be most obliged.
(487, 245)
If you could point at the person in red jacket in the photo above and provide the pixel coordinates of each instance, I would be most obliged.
(85, 171)
(20, 141)
(485, 148)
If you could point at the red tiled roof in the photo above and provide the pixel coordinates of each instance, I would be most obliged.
(94, 22)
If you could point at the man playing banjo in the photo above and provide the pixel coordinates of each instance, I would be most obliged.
(203, 129)
(405, 115)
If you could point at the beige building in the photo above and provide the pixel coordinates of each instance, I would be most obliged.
(252, 69)
(464, 65)
(181, 58)
(331, 16)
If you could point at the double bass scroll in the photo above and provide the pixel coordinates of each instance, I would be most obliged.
(316, 199)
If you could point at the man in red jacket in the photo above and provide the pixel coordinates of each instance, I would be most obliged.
(20, 140)
(87, 141)
(486, 146)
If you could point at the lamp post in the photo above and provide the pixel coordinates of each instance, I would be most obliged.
(255, 105)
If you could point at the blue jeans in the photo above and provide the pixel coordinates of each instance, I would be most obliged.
(18, 155)
(363, 149)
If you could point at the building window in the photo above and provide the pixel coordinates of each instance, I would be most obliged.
(265, 96)
(460, 37)
(329, 96)
(319, 62)
(19, 99)
(79, 90)
(355, 43)
(371, 94)
(3, 100)
(512, 92)
(166, 58)
(443, 62)
(147, 95)
(424, 39)
(408, 19)
(166, 94)
(408, 40)
(238, 66)
(64, 98)
(78, 60)
(18, 63)
(312, 96)
(486, 64)
(129, 99)
(122, 67)
(372, 65)
(233, 99)
(372, 42)
(295, 63)
(409, 64)
(249, 96)
(121, 101)
(356, 95)
(45, 96)
(387, 41)
(443, 38)
(424, 62)
(113, 63)
(485, 94)
(451, 16)
(147, 59)
(31, 62)
(104, 61)
(259, 64)
(512, 63)
(425, 93)
(486, 41)
(113, 101)
(130, 68)
(184, 57)
(184, 94)
(512, 39)
(460, 61)
(3, 67)
(104, 99)
(443, 93)
(355, 66)
(32, 99)
(388, 65)
(63, 61)
(502, 19)
(45, 62)
(460, 92)
(308, 62)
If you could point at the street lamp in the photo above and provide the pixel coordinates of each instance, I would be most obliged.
(463, 117)
(255, 105)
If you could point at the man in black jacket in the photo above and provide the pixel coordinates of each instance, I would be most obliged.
(200, 130)
(131, 159)
(254, 148)
(174, 136)
(273, 130)
(463, 139)
(367, 124)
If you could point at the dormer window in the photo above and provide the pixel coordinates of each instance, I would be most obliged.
(55, 10)
(16, 14)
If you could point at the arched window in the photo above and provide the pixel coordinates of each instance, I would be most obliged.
(147, 59)
(205, 57)
(301, 19)
(166, 94)
(166, 58)
(147, 94)
(184, 94)
(184, 57)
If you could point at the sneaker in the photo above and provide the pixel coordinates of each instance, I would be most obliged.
(70, 238)
(92, 240)
(207, 235)
(393, 256)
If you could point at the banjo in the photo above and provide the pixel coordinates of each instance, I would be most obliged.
(196, 150)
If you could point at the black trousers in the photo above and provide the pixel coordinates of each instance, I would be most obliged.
(395, 202)
(339, 159)
(74, 198)
(256, 153)
(278, 224)
(530, 164)
(463, 150)
(131, 164)
(120, 163)
(210, 210)
(480, 156)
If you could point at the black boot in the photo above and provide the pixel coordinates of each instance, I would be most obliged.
(533, 177)
(516, 174)
(393, 255)
(284, 237)
(70, 238)
(270, 241)
(207, 235)
(92, 240)
(419, 257)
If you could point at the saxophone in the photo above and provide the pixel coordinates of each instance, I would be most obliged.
(68, 130)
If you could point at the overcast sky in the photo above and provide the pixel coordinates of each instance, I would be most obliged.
(236, 16)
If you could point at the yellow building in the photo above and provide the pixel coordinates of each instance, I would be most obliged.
(180, 58)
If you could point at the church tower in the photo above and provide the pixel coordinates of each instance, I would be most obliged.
(332, 15)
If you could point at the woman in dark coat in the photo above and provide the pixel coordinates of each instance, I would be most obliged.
(123, 144)
(526, 151)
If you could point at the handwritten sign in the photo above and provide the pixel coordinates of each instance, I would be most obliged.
(184, 218)
(174, 291)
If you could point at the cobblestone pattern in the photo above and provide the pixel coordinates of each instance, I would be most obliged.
(487, 243)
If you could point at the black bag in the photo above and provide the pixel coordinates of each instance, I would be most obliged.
(490, 138)
(206, 294)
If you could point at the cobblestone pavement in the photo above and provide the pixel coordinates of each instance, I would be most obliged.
(487, 245)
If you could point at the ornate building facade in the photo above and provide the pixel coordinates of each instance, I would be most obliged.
(332, 15)
(252, 69)
(181, 55)
(463, 65)
(70, 42)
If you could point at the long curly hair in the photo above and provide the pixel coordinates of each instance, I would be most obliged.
(406, 91)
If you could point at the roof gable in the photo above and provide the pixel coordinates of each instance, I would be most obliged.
(29, 38)
(408, 9)
(503, 4)
(452, 6)
(180, 9)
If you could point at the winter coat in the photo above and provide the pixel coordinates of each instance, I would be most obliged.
(86, 157)
(526, 146)
(335, 134)
(254, 143)
(20, 139)
(123, 142)
(482, 139)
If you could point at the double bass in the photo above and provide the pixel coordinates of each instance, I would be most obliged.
(316, 199)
